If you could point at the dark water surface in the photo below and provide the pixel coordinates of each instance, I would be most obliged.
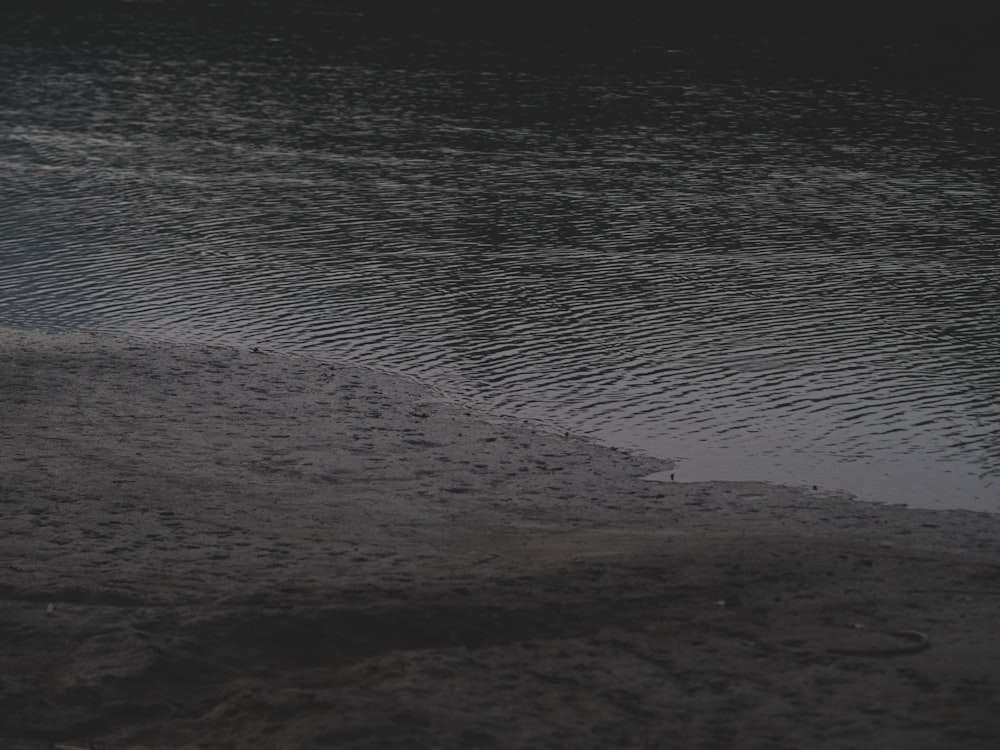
(761, 270)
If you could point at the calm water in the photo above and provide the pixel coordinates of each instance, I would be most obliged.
(760, 272)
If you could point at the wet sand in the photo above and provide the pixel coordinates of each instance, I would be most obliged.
(203, 547)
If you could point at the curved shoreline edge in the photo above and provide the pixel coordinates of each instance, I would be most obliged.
(203, 546)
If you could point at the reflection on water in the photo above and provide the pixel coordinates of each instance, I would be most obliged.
(791, 280)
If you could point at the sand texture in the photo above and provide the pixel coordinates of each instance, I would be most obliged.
(203, 547)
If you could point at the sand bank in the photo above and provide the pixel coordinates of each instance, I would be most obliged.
(211, 548)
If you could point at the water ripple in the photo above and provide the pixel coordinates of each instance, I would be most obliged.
(778, 284)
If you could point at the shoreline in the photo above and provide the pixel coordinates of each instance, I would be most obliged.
(211, 547)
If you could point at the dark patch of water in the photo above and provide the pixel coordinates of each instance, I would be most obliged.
(763, 272)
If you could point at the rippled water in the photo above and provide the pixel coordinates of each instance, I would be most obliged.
(791, 279)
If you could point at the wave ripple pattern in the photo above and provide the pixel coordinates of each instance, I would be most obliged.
(795, 281)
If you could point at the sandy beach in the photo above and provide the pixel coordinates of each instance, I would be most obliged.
(203, 547)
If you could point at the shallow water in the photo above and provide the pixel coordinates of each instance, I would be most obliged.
(774, 277)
